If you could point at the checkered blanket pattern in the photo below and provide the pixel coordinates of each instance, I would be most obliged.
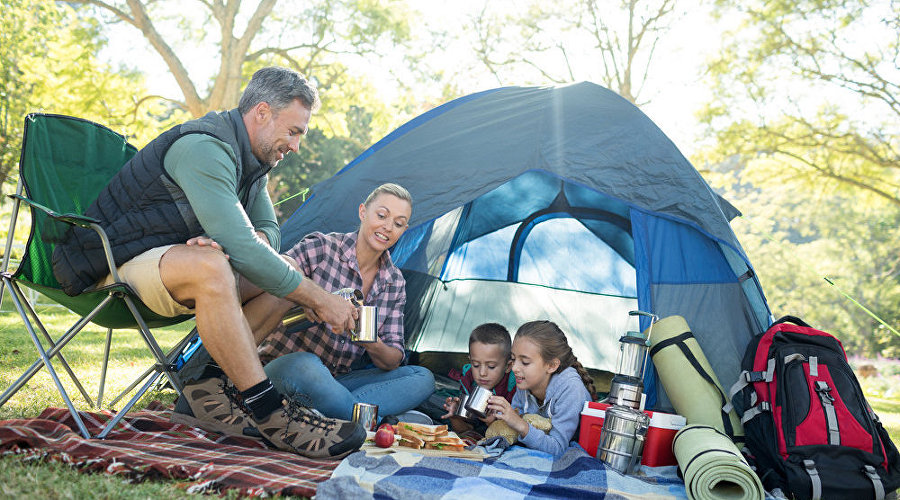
(146, 445)
(518, 473)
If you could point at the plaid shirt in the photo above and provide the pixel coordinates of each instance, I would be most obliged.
(330, 261)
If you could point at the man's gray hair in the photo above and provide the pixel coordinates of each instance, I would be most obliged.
(279, 87)
(389, 188)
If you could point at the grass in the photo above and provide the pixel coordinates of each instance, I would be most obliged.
(43, 479)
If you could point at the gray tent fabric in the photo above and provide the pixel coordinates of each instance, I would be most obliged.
(564, 203)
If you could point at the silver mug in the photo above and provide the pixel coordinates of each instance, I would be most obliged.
(461, 410)
(365, 415)
(477, 401)
(365, 330)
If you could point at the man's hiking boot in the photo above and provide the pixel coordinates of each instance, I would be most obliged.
(213, 404)
(298, 429)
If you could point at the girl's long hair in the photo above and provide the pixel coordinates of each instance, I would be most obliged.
(554, 345)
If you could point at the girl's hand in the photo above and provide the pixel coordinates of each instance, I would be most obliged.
(504, 411)
(491, 416)
(450, 404)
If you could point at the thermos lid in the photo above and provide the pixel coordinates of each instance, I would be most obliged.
(633, 338)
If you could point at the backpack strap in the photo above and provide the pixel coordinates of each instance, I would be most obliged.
(756, 410)
(824, 392)
(746, 378)
(876, 481)
(814, 478)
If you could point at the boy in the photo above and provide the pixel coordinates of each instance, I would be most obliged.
(490, 366)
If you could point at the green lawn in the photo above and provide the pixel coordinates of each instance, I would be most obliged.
(55, 480)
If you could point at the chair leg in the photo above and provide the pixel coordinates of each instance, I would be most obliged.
(46, 361)
(160, 356)
(162, 366)
(103, 370)
(75, 328)
(121, 413)
(171, 357)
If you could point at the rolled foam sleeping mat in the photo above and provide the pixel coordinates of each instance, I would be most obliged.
(687, 377)
(713, 467)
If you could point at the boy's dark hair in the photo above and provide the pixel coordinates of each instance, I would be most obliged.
(492, 333)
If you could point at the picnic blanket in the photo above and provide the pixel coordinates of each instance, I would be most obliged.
(145, 445)
(518, 473)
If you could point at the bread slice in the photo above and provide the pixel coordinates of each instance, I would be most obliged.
(424, 429)
(449, 442)
(411, 441)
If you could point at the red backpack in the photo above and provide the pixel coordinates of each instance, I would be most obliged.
(809, 429)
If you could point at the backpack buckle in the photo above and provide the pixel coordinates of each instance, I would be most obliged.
(824, 391)
(755, 376)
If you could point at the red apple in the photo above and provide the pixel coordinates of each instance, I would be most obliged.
(384, 437)
(386, 426)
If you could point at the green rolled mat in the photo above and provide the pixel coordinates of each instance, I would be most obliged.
(687, 377)
(713, 467)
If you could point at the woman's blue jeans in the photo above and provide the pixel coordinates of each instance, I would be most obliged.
(302, 377)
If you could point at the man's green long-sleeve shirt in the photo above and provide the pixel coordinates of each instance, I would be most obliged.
(204, 168)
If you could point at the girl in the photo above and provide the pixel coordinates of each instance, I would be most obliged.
(550, 382)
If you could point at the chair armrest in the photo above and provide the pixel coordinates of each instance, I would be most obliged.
(73, 219)
(80, 221)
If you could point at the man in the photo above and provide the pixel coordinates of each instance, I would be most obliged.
(192, 194)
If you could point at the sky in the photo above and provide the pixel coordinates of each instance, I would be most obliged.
(674, 92)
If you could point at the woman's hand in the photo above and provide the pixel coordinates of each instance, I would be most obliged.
(450, 404)
(504, 411)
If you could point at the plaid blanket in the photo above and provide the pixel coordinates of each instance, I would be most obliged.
(145, 445)
(518, 473)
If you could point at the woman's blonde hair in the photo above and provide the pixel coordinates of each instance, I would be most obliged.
(391, 189)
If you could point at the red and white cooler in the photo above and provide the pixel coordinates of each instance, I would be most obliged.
(657, 444)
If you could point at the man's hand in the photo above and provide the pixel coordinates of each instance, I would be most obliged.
(337, 312)
(205, 241)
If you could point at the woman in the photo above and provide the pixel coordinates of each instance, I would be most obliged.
(326, 370)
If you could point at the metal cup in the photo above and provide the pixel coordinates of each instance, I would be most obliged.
(461, 410)
(353, 295)
(365, 330)
(478, 401)
(366, 415)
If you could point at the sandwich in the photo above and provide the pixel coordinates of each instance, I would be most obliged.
(421, 431)
(413, 435)
(448, 442)
(411, 441)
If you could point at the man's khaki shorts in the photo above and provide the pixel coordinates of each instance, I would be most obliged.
(142, 274)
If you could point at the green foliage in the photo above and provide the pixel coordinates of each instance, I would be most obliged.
(350, 120)
(49, 61)
(806, 131)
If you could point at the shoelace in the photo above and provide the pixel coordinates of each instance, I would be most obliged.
(234, 397)
(297, 412)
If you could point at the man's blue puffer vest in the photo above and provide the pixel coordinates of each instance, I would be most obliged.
(142, 207)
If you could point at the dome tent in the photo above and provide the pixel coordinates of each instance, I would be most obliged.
(562, 203)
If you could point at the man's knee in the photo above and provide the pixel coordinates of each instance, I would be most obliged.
(202, 267)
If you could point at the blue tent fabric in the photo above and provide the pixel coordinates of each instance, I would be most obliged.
(565, 203)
